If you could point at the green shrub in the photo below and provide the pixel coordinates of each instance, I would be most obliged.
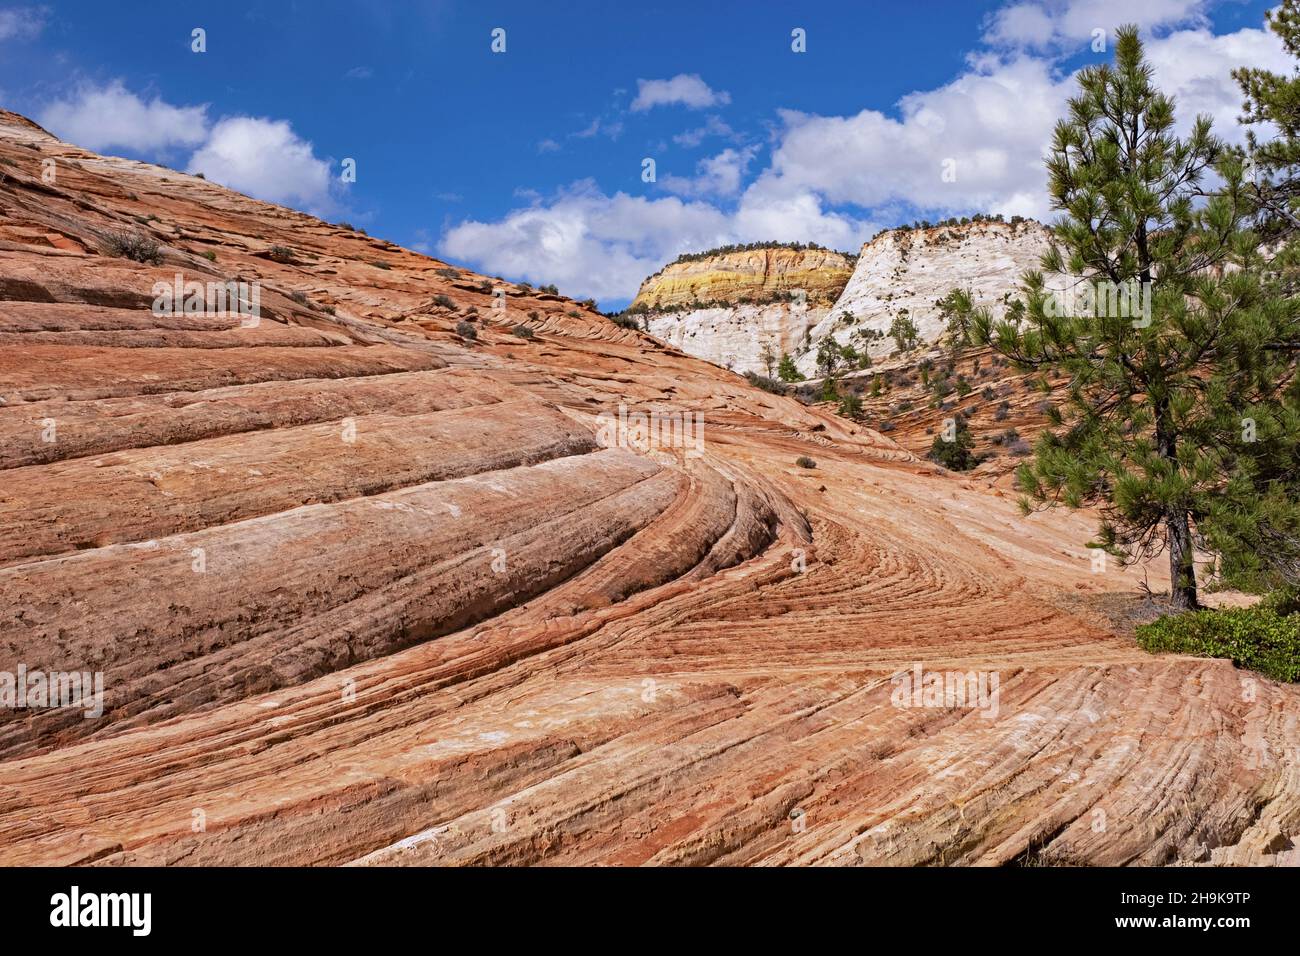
(955, 455)
(444, 300)
(786, 370)
(1257, 638)
(523, 331)
(803, 461)
(1283, 601)
(850, 405)
(280, 254)
(466, 330)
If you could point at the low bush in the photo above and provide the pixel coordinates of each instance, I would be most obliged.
(803, 461)
(280, 254)
(1257, 638)
(466, 330)
(524, 332)
(125, 245)
(957, 454)
(766, 384)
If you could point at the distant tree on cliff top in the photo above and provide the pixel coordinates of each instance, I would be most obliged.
(1155, 405)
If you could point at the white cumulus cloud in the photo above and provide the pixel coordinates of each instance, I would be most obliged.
(267, 159)
(975, 144)
(112, 117)
(1039, 24)
(719, 175)
(264, 158)
(587, 242)
(685, 89)
(1195, 68)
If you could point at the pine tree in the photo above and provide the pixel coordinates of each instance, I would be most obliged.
(954, 450)
(828, 357)
(1256, 527)
(1152, 405)
(786, 371)
(1272, 102)
(904, 333)
(955, 309)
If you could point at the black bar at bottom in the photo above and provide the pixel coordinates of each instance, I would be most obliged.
(544, 906)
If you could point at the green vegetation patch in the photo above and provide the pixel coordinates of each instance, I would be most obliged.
(1257, 638)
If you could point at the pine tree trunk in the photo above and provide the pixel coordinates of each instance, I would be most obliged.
(1182, 569)
(1178, 530)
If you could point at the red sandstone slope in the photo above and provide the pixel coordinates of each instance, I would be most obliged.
(469, 634)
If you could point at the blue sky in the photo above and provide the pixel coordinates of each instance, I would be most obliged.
(529, 163)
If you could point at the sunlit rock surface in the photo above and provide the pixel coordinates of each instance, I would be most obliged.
(366, 590)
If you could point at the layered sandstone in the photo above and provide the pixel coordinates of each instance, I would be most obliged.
(737, 309)
(744, 338)
(754, 274)
(367, 590)
(905, 272)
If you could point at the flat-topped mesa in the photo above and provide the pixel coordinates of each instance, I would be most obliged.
(736, 306)
(747, 275)
(904, 272)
